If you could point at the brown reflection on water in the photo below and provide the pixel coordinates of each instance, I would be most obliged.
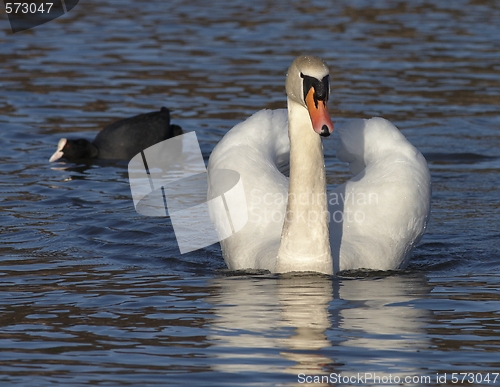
(466, 325)
(86, 315)
(396, 59)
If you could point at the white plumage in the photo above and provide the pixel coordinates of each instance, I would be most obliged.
(376, 218)
(386, 202)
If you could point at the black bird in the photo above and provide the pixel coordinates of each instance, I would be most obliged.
(120, 140)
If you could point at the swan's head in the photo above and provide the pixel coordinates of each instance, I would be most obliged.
(308, 83)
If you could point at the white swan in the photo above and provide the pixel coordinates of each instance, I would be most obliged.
(377, 217)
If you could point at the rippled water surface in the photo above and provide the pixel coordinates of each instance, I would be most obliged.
(93, 293)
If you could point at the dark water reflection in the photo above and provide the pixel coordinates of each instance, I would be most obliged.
(93, 293)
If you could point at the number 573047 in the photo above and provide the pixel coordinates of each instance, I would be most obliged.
(28, 7)
(474, 378)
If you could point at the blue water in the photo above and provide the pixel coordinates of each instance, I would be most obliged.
(93, 293)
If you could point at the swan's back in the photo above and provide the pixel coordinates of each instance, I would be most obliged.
(385, 205)
(255, 149)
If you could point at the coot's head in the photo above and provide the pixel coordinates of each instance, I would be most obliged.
(175, 130)
(74, 150)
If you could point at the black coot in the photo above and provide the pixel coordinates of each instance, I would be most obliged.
(121, 140)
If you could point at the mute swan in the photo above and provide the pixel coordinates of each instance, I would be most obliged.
(373, 221)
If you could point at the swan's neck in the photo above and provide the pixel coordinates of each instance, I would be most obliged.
(305, 242)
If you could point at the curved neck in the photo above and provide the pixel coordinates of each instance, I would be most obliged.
(305, 241)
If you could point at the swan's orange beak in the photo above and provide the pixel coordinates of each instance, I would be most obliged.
(321, 121)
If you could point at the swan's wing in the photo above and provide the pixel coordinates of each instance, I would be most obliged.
(386, 204)
(255, 149)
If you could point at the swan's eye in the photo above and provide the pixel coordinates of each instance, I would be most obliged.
(321, 88)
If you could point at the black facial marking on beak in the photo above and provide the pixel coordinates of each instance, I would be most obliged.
(321, 88)
(324, 131)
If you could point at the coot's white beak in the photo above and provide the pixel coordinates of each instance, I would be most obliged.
(58, 153)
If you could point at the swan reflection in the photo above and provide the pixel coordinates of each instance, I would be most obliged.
(316, 325)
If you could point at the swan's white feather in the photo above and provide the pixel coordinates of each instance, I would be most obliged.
(388, 197)
(255, 149)
(386, 203)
